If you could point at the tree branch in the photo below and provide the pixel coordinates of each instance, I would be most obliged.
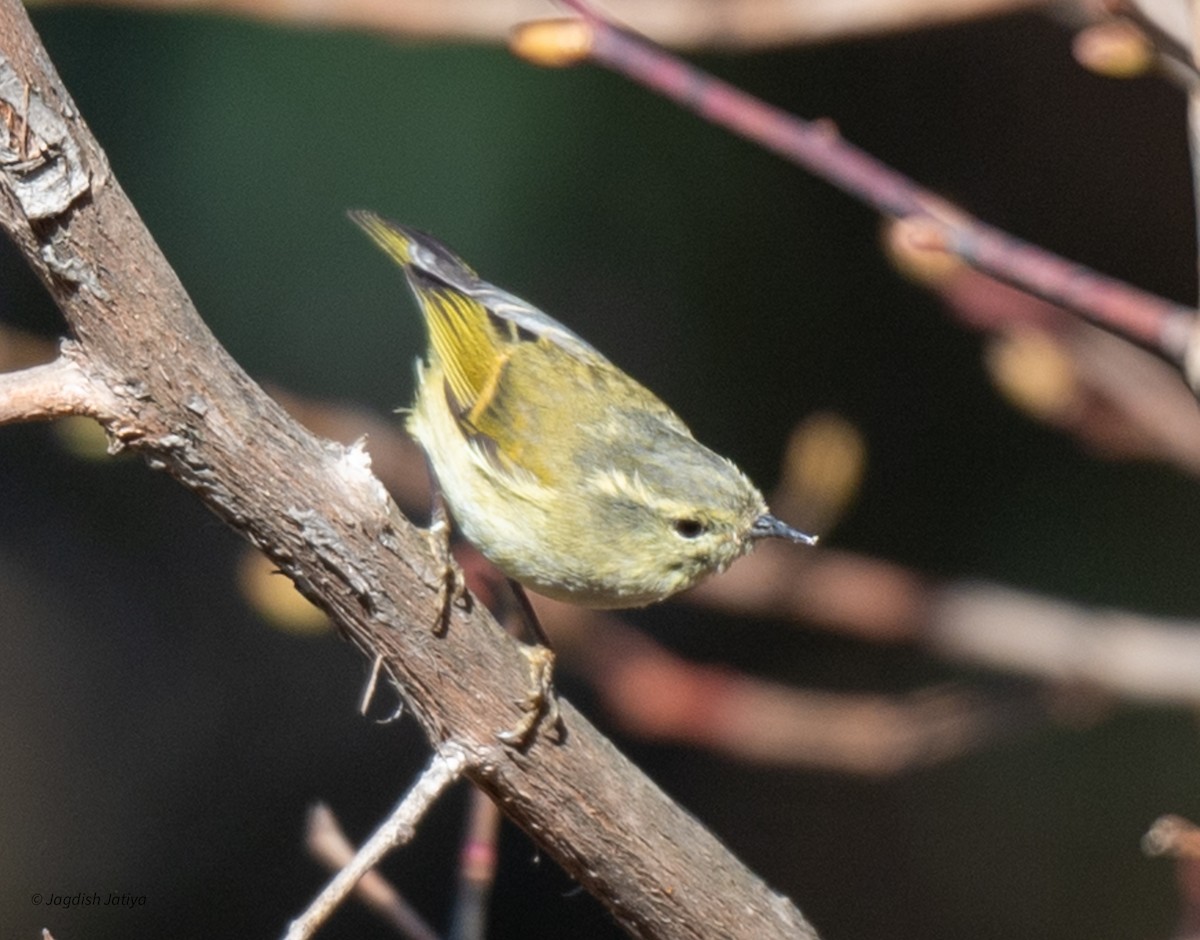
(328, 844)
(818, 147)
(1135, 656)
(173, 395)
(54, 390)
(446, 766)
(723, 24)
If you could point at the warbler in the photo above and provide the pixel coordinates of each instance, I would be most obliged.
(572, 478)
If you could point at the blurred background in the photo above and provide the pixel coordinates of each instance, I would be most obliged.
(165, 729)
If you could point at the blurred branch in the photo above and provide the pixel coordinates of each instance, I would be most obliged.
(1192, 367)
(1080, 657)
(819, 148)
(1179, 839)
(1116, 398)
(1168, 21)
(476, 869)
(174, 396)
(1174, 837)
(1124, 38)
(696, 24)
(1137, 657)
(850, 593)
(20, 349)
(655, 694)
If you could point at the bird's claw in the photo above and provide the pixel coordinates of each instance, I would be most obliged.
(540, 704)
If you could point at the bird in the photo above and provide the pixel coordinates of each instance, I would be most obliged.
(570, 476)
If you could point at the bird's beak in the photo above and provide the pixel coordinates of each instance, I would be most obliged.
(767, 526)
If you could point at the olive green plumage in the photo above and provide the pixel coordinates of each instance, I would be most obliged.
(574, 479)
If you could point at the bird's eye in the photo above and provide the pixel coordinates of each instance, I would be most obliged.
(689, 528)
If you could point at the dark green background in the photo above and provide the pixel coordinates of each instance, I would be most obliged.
(158, 740)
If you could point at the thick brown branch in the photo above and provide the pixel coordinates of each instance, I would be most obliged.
(315, 509)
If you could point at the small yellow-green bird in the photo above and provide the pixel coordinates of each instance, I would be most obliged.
(573, 479)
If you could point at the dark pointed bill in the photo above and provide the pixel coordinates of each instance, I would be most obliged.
(767, 526)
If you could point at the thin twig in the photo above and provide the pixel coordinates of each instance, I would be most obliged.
(817, 146)
(368, 693)
(476, 869)
(444, 768)
(328, 844)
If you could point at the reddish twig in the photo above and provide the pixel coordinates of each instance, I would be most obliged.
(476, 869)
(816, 145)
